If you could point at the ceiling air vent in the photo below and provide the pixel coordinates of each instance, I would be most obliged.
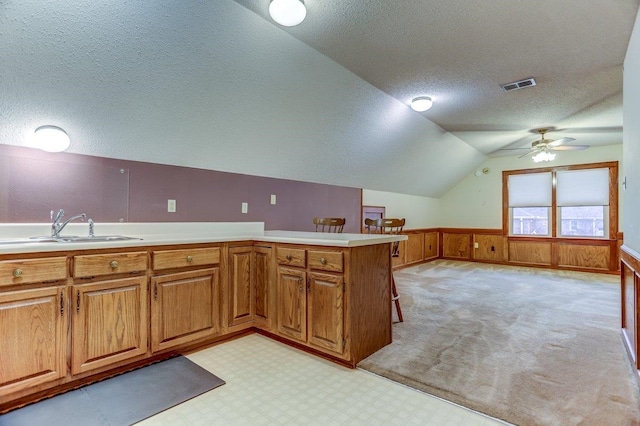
(518, 84)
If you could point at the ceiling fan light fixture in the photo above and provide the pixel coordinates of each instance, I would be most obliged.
(421, 103)
(544, 156)
(287, 13)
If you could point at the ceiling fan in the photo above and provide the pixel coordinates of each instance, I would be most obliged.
(543, 149)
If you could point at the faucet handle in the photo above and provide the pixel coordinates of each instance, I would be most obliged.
(58, 215)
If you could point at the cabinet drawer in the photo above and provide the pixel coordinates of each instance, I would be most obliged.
(291, 257)
(105, 264)
(23, 271)
(325, 260)
(165, 259)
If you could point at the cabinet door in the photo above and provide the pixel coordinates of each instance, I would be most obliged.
(264, 288)
(325, 311)
(184, 308)
(292, 303)
(109, 322)
(241, 289)
(33, 335)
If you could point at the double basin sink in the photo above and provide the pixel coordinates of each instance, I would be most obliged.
(68, 239)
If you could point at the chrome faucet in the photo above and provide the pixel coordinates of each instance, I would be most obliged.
(57, 227)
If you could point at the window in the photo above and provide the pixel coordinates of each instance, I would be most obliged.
(529, 203)
(569, 202)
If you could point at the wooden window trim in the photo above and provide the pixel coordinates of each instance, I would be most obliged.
(613, 196)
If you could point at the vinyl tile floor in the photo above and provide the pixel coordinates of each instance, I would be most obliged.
(269, 383)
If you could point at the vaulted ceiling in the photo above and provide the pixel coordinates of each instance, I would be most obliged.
(460, 52)
(217, 84)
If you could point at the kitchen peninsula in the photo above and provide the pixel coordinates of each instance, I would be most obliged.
(75, 312)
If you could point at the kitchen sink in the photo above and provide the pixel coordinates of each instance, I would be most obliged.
(95, 239)
(68, 239)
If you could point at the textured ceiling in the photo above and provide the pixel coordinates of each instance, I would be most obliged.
(216, 84)
(459, 52)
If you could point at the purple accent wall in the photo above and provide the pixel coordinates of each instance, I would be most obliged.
(33, 182)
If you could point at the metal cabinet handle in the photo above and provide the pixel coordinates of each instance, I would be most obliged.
(288, 257)
(114, 264)
(61, 303)
(189, 258)
(17, 273)
(323, 260)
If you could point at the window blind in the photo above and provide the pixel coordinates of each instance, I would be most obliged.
(530, 190)
(583, 187)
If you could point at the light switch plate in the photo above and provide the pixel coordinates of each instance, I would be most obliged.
(245, 207)
(273, 198)
(171, 206)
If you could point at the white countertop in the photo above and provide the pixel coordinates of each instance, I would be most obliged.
(151, 234)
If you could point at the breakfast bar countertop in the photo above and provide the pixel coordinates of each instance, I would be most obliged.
(13, 237)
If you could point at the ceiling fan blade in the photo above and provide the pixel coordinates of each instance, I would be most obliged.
(512, 149)
(531, 151)
(560, 142)
(570, 147)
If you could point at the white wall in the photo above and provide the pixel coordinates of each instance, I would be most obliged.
(476, 202)
(631, 138)
(210, 84)
(420, 212)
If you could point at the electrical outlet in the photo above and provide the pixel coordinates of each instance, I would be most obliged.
(273, 199)
(171, 206)
(245, 207)
(476, 245)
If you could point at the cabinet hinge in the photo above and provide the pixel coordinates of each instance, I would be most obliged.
(344, 287)
(344, 342)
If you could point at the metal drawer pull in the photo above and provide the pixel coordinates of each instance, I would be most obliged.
(323, 260)
(288, 257)
(17, 273)
(189, 258)
(114, 264)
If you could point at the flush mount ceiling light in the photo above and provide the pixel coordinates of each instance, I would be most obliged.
(51, 139)
(288, 13)
(421, 103)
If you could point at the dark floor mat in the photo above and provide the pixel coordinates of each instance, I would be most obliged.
(120, 400)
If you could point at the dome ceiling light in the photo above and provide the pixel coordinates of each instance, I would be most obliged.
(51, 139)
(421, 103)
(287, 13)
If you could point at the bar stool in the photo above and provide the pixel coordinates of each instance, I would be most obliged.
(329, 224)
(392, 227)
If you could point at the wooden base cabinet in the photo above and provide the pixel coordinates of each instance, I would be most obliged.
(335, 301)
(184, 307)
(109, 322)
(33, 326)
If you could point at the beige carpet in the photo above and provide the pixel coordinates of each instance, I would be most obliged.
(529, 346)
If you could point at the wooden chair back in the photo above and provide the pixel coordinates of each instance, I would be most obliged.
(329, 224)
(386, 226)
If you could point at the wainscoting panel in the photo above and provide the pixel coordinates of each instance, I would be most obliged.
(629, 285)
(456, 246)
(584, 256)
(488, 247)
(414, 248)
(536, 253)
